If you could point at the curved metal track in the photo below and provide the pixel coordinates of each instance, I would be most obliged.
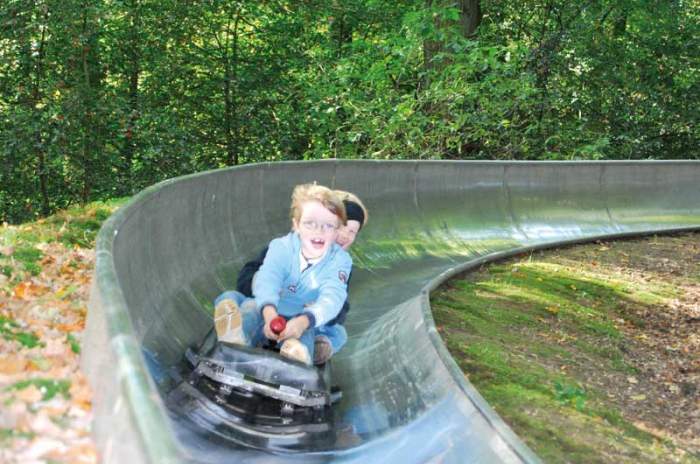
(163, 258)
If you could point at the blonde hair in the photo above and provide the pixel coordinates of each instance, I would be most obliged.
(343, 195)
(312, 192)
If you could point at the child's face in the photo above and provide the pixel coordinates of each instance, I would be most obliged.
(348, 233)
(317, 228)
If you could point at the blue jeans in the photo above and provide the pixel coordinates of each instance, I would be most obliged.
(336, 334)
(253, 321)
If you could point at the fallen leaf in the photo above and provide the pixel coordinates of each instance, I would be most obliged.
(639, 397)
(67, 270)
(12, 414)
(12, 365)
(78, 454)
(29, 394)
(651, 429)
(39, 447)
(80, 392)
(28, 289)
(632, 380)
(43, 425)
(39, 364)
(77, 327)
(56, 408)
(55, 347)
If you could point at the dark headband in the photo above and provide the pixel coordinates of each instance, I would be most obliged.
(354, 212)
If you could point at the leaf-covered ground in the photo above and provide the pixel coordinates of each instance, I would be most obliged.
(45, 270)
(590, 353)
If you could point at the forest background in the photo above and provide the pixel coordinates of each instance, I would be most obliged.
(100, 98)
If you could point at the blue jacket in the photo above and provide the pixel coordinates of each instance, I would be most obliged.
(244, 284)
(319, 291)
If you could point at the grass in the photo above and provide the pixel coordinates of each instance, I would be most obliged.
(7, 435)
(49, 388)
(28, 258)
(10, 330)
(74, 227)
(74, 343)
(528, 334)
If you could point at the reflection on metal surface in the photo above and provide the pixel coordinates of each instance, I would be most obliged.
(180, 243)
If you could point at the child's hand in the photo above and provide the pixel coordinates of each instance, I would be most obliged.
(295, 328)
(269, 333)
(269, 313)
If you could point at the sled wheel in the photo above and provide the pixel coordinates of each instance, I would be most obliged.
(287, 409)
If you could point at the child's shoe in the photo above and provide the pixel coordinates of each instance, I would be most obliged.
(322, 350)
(228, 322)
(292, 348)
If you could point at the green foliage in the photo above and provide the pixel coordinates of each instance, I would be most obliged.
(100, 99)
(573, 395)
(6, 435)
(48, 387)
(74, 343)
(29, 256)
(10, 330)
(81, 232)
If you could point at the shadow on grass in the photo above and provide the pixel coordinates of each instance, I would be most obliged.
(527, 333)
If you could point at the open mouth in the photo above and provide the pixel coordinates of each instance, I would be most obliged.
(318, 243)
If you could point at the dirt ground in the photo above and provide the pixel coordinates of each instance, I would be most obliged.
(662, 342)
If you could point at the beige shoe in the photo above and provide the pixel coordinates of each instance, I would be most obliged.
(293, 349)
(322, 350)
(228, 322)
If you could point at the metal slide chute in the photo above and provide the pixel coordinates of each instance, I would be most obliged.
(164, 257)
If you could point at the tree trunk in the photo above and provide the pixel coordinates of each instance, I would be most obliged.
(88, 119)
(340, 27)
(470, 16)
(620, 24)
(469, 20)
(34, 103)
(230, 77)
(129, 148)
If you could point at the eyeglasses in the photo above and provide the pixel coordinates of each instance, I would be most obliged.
(313, 225)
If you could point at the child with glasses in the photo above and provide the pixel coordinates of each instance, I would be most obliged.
(303, 278)
(331, 337)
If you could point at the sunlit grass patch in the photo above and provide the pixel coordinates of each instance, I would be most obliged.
(531, 335)
(75, 226)
(21, 246)
(28, 258)
(79, 227)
